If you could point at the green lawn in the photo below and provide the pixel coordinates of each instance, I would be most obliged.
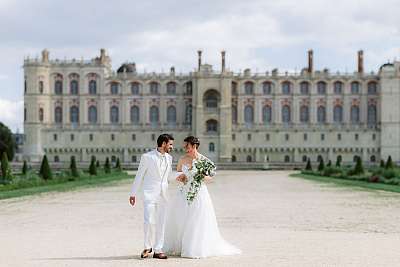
(349, 183)
(8, 191)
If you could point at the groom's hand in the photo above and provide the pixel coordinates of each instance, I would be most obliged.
(132, 200)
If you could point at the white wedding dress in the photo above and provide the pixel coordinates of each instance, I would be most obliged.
(191, 230)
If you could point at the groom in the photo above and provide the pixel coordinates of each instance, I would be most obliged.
(154, 168)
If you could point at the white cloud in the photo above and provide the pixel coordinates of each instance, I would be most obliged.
(11, 113)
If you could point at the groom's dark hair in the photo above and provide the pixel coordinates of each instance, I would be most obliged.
(194, 141)
(164, 138)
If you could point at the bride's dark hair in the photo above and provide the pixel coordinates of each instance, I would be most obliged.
(194, 141)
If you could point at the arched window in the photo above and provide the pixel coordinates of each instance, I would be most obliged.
(267, 88)
(154, 115)
(58, 86)
(321, 114)
(304, 88)
(74, 87)
(355, 87)
(134, 158)
(371, 114)
(234, 114)
(212, 100)
(188, 114)
(212, 126)
(25, 114)
(267, 114)
(339, 158)
(211, 147)
(135, 88)
(41, 114)
(373, 158)
(135, 115)
(114, 114)
(171, 88)
(92, 87)
(114, 88)
(355, 114)
(338, 87)
(286, 86)
(372, 88)
(287, 158)
(233, 158)
(171, 115)
(92, 112)
(74, 114)
(234, 89)
(154, 88)
(56, 158)
(338, 114)
(286, 114)
(248, 88)
(319, 158)
(355, 158)
(248, 115)
(189, 88)
(41, 86)
(304, 114)
(321, 88)
(249, 159)
(58, 115)
(305, 158)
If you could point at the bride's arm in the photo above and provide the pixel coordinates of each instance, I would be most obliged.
(180, 177)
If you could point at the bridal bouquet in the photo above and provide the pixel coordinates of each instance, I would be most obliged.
(200, 169)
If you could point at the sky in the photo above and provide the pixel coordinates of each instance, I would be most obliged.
(157, 34)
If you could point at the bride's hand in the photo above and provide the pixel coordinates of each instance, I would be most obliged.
(181, 178)
(208, 179)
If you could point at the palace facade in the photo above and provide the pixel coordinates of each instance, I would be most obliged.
(84, 108)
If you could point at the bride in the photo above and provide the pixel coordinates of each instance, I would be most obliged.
(191, 230)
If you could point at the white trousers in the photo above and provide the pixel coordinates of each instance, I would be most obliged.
(154, 224)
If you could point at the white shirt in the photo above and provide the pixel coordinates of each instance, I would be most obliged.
(162, 162)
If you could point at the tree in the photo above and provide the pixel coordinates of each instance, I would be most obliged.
(329, 164)
(73, 168)
(97, 164)
(6, 173)
(382, 163)
(338, 161)
(308, 166)
(107, 167)
(7, 142)
(118, 165)
(24, 168)
(45, 170)
(92, 167)
(358, 169)
(321, 165)
(389, 163)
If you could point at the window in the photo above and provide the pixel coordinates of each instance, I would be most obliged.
(92, 112)
(355, 114)
(305, 137)
(92, 87)
(248, 115)
(90, 137)
(355, 158)
(74, 88)
(112, 137)
(338, 88)
(171, 115)
(233, 137)
(55, 137)
(304, 114)
(267, 88)
(135, 88)
(356, 137)
(234, 158)
(154, 115)
(41, 114)
(211, 147)
(114, 114)
(134, 158)
(305, 158)
(286, 88)
(171, 88)
(372, 88)
(322, 137)
(72, 137)
(113, 158)
(234, 89)
(373, 158)
(248, 137)
(286, 137)
(114, 88)
(338, 114)
(133, 137)
(319, 158)
(371, 114)
(286, 114)
(24, 114)
(135, 115)
(267, 114)
(234, 114)
(58, 115)
(304, 88)
(212, 100)
(25, 85)
(339, 158)
(339, 137)
(154, 88)
(249, 159)
(321, 114)
(153, 137)
(189, 89)
(188, 114)
(74, 114)
(321, 88)
(355, 87)
(266, 137)
(56, 158)
(58, 86)
(41, 87)
(287, 158)
(212, 126)
(248, 88)
(374, 137)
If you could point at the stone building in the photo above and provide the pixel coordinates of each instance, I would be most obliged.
(84, 108)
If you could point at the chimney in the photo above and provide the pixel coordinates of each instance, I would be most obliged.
(45, 56)
(102, 55)
(223, 60)
(310, 61)
(360, 61)
(199, 58)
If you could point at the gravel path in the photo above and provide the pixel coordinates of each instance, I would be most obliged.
(275, 219)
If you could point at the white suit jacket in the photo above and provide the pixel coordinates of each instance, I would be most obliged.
(155, 184)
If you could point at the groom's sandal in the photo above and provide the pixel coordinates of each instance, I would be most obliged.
(160, 256)
(146, 253)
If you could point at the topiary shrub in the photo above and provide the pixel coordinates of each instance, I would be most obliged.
(329, 164)
(107, 167)
(338, 161)
(73, 168)
(24, 168)
(358, 169)
(308, 166)
(45, 171)
(382, 164)
(97, 164)
(389, 163)
(118, 165)
(331, 171)
(321, 165)
(389, 173)
(92, 167)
